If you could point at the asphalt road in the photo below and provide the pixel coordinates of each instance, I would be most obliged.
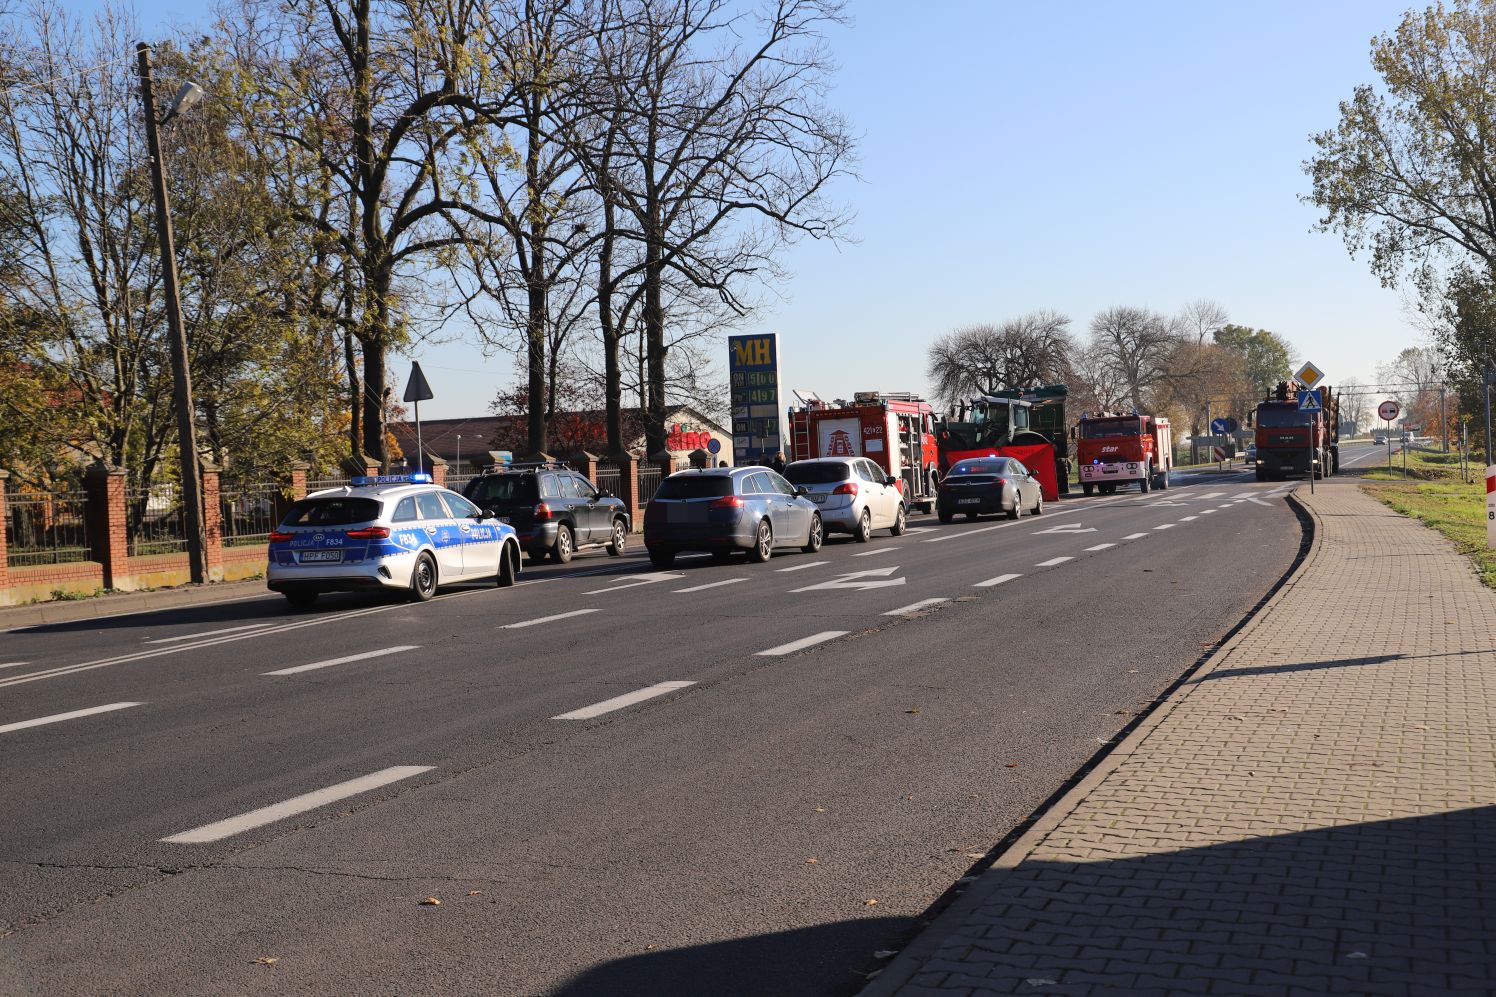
(810, 753)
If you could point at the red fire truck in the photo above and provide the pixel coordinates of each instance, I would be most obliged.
(895, 430)
(1114, 449)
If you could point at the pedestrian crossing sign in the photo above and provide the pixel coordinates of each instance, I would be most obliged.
(1309, 375)
(1309, 401)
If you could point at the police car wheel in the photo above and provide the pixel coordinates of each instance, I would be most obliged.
(301, 599)
(561, 550)
(423, 578)
(620, 539)
(508, 566)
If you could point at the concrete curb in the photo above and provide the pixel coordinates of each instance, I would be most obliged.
(909, 961)
(129, 603)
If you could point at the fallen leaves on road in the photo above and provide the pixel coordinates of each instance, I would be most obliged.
(267, 960)
(431, 902)
(475, 893)
(1011, 765)
(870, 903)
(820, 810)
(812, 861)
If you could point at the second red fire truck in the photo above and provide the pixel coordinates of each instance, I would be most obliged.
(893, 430)
(1115, 449)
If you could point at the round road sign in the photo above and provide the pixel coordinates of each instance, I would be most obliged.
(713, 445)
(1388, 410)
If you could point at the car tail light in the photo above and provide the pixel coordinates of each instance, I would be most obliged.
(845, 488)
(727, 502)
(370, 533)
(542, 511)
(278, 537)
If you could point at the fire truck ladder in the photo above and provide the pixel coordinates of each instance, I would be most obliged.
(800, 436)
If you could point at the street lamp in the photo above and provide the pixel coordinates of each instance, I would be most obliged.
(459, 453)
(192, 492)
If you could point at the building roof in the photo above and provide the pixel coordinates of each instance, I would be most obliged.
(479, 433)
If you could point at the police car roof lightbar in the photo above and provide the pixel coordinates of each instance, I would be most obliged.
(418, 478)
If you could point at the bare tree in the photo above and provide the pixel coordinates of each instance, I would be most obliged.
(1137, 346)
(1036, 348)
(1201, 319)
(1355, 403)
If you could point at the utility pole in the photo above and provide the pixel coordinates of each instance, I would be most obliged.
(1486, 382)
(192, 491)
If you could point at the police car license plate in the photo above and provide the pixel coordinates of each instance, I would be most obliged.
(321, 555)
(970, 501)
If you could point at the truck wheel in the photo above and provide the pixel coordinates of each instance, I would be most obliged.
(1087, 489)
(1261, 472)
(1146, 481)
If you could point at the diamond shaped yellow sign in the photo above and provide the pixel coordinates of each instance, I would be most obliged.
(1309, 375)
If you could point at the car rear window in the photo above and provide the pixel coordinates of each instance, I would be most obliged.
(338, 511)
(817, 473)
(692, 486)
(504, 490)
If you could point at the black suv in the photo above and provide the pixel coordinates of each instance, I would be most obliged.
(554, 509)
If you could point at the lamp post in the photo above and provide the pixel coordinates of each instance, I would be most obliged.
(192, 491)
(459, 453)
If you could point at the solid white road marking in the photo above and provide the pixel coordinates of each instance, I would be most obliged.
(915, 607)
(880, 550)
(296, 805)
(548, 619)
(1135, 536)
(1053, 561)
(343, 661)
(709, 585)
(14, 664)
(1000, 579)
(803, 642)
(1099, 547)
(58, 717)
(209, 633)
(1166, 526)
(802, 567)
(619, 702)
(1188, 519)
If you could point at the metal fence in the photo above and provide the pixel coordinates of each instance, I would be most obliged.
(153, 521)
(649, 481)
(457, 482)
(331, 481)
(609, 479)
(248, 512)
(46, 528)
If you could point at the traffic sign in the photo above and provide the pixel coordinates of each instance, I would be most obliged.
(713, 446)
(1310, 401)
(1388, 410)
(1220, 453)
(1309, 375)
(1226, 424)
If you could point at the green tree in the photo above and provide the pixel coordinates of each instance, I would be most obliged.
(1266, 357)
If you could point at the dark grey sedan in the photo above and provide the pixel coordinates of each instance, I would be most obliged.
(727, 509)
(984, 485)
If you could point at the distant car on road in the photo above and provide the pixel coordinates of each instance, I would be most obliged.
(1249, 455)
(554, 510)
(983, 485)
(1380, 441)
(854, 495)
(723, 510)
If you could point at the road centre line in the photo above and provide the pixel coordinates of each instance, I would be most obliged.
(1206, 512)
(59, 717)
(209, 633)
(158, 652)
(1166, 526)
(1053, 561)
(999, 580)
(1135, 536)
(548, 619)
(1099, 547)
(709, 585)
(880, 550)
(231, 826)
(1187, 519)
(14, 664)
(915, 607)
(803, 642)
(802, 567)
(343, 661)
(619, 702)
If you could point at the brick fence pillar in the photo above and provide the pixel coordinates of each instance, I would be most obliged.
(4, 529)
(356, 467)
(212, 522)
(628, 487)
(438, 470)
(292, 487)
(665, 463)
(585, 464)
(108, 521)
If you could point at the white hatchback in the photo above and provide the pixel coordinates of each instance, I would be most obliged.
(854, 495)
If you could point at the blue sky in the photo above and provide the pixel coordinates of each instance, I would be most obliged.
(1020, 155)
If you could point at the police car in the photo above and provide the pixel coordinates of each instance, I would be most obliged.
(391, 532)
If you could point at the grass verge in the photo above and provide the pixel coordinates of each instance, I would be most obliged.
(1434, 494)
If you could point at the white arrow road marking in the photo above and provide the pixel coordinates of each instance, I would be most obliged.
(999, 580)
(709, 585)
(802, 567)
(857, 580)
(1099, 547)
(1210, 495)
(343, 661)
(1066, 528)
(1135, 536)
(634, 581)
(915, 607)
(804, 642)
(1053, 561)
(296, 805)
(619, 702)
(210, 633)
(548, 619)
(58, 717)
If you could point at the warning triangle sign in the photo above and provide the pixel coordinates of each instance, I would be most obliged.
(416, 389)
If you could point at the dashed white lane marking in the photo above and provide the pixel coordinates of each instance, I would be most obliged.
(803, 642)
(880, 550)
(343, 661)
(548, 619)
(915, 607)
(14, 664)
(59, 717)
(619, 702)
(802, 567)
(1099, 547)
(999, 526)
(1166, 526)
(296, 805)
(210, 633)
(635, 581)
(1243, 495)
(709, 585)
(1135, 536)
(1000, 579)
(1188, 519)
(1053, 561)
(1225, 505)
(1206, 512)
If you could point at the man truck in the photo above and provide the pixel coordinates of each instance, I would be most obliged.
(1293, 441)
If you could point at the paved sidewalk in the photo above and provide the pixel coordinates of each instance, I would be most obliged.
(1314, 812)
